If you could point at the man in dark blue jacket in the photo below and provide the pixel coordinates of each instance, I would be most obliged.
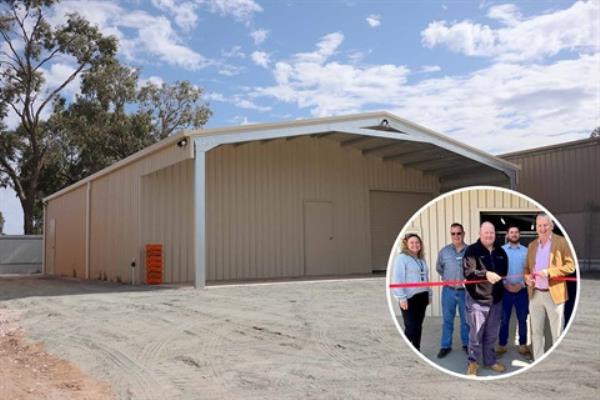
(483, 301)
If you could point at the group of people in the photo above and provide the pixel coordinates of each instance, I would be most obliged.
(485, 282)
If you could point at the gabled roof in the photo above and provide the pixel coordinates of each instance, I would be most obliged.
(383, 135)
(378, 133)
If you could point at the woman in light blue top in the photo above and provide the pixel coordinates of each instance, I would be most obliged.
(409, 267)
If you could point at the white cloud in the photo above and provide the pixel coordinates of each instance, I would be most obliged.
(499, 108)
(261, 58)
(326, 47)
(310, 80)
(157, 37)
(236, 100)
(509, 107)
(228, 69)
(431, 68)
(508, 14)
(153, 36)
(374, 20)
(259, 35)
(575, 29)
(242, 120)
(240, 10)
(215, 96)
(355, 57)
(184, 12)
(235, 51)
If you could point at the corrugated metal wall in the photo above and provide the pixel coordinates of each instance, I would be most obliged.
(565, 181)
(255, 194)
(68, 211)
(115, 228)
(168, 218)
(433, 224)
(20, 254)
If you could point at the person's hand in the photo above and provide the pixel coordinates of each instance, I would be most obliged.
(529, 280)
(492, 277)
(543, 273)
(403, 304)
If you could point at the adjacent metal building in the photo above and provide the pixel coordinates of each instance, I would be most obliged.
(565, 179)
(324, 196)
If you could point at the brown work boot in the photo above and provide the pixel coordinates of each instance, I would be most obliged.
(497, 367)
(500, 350)
(524, 350)
(472, 368)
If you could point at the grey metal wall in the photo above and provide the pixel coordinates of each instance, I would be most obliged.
(255, 194)
(20, 254)
(565, 180)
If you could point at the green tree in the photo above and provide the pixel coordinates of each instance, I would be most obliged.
(96, 130)
(31, 44)
(173, 107)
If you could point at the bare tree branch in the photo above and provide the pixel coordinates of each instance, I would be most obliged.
(20, 22)
(12, 174)
(12, 48)
(14, 107)
(58, 89)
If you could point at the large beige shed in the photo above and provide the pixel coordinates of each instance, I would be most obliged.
(323, 196)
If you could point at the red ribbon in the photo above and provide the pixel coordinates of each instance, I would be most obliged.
(468, 282)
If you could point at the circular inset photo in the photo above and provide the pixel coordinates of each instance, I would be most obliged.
(482, 282)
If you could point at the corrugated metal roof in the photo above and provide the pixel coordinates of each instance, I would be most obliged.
(448, 148)
(592, 141)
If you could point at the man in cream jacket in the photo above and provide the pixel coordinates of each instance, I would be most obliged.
(548, 257)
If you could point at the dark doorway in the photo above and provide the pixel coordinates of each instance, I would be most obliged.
(524, 220)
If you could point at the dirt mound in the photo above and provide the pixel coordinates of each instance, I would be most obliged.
(28, 372)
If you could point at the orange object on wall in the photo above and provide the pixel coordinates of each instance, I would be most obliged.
(154, 264)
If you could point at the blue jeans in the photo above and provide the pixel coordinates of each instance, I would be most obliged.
(451, 298)
(520, 301)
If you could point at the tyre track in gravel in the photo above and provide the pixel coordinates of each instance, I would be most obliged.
(319, 334)
(153, 354)
(130, 379)
(303, 342)
(134, 379)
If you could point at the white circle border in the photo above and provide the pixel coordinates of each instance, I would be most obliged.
(389, 269)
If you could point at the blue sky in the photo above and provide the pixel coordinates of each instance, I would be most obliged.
(500, 76)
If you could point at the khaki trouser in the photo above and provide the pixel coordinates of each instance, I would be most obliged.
(540, 305)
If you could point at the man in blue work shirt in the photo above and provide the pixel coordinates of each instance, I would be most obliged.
(449, 266)
(515, 292)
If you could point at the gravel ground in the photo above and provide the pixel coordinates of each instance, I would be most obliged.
(296, 340)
